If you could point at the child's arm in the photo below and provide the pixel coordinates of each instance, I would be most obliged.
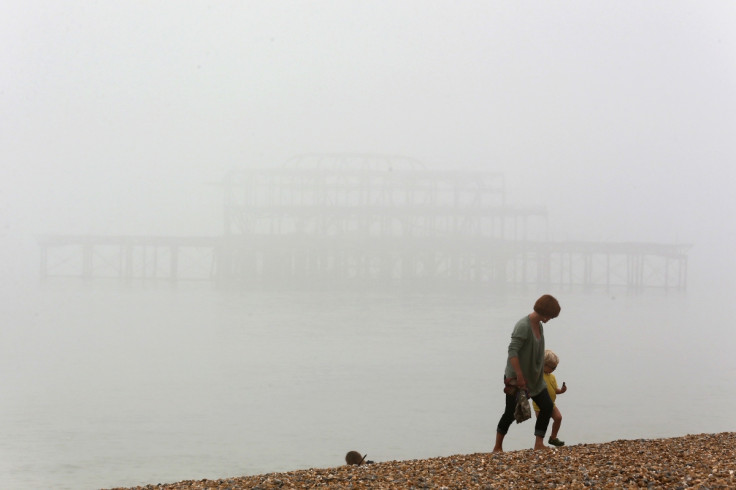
(561, 390)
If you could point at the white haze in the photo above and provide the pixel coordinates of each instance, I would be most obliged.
(618, 116)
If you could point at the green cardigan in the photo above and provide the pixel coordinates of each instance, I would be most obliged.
(530, 352)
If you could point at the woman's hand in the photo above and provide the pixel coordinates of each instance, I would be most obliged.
(520, 381)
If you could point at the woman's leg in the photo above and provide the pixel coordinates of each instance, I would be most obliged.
(498, 447)
(505, 422)
(544, 402)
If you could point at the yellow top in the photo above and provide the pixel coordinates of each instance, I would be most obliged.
(551, 388)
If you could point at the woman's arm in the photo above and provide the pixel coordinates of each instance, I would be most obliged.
(520, 380)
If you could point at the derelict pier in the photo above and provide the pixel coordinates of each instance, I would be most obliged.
(341, 221)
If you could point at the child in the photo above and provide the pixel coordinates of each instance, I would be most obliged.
(550, 364)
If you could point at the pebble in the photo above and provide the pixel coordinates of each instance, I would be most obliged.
(692, 461)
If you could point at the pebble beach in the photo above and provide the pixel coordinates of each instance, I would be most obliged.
(691, 461)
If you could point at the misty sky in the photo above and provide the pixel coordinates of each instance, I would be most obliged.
(618, 116)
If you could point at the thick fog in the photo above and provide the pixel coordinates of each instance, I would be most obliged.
(122, 118)
(617, 116)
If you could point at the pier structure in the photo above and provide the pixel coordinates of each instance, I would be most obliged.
(324, 219)
(170, 258)
(338, 221)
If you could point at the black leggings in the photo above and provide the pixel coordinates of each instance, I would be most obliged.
(543, 401)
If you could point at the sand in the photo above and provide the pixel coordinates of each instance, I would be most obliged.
(692, 461)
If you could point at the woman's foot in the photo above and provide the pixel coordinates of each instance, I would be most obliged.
(556, 442)
(498, 447)
(539, 444)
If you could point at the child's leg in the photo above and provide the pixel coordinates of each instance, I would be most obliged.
(556, 422)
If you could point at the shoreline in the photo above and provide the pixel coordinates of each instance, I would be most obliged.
(696, 460)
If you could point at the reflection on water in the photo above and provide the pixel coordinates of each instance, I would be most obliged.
(105, 387)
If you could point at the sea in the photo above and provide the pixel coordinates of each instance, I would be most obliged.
(118, 385)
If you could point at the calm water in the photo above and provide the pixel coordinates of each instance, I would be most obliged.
(108, 387)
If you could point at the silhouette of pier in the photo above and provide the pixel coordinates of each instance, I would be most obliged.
(337, 221)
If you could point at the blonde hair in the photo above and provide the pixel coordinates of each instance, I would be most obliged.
(550, 358)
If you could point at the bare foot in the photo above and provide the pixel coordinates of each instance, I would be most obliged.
(539, 443)
(497, 449)
(541, 447)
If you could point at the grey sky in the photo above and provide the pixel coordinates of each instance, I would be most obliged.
(618, 116)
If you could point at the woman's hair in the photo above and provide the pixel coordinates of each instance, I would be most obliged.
(551, 359)
(547, 306)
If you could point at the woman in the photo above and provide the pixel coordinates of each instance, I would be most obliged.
(525, 368)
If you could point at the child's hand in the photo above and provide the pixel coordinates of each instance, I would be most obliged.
(564, 388)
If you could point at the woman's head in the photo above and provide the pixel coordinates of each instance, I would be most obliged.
(547, 307)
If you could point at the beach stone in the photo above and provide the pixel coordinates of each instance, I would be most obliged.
(700, 461)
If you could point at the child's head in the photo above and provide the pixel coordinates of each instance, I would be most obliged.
(550, 361)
